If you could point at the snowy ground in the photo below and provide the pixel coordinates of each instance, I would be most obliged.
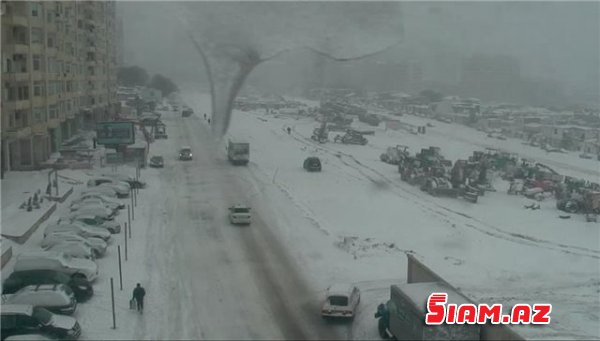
(495, 250)
(353, 222)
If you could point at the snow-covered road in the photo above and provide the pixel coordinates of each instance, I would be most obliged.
(208, 279)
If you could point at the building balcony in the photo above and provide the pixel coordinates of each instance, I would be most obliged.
(14, 133)
(53, 123)
(23, 104)
(15, 76)
(40, 128)
(15, 19)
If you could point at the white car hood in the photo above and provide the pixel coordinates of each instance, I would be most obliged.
(86, 265)
(62, 321)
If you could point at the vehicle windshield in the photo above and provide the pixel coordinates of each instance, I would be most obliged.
(338, 300)
(241, 210)
(42, 315)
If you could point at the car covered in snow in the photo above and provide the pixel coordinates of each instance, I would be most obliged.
(57, 298)
(185, 153)
(82, 289)
(100, 191)
(341, 300)
(48, 260)
(77, 228)
(98, 211)
(98, 196)
(26, 319)
(121, 188)
(92, 201)
(97, 245)
(157, 161)
(240, 214)
(132, 181)
(312, 164)
(73, 249)
(30, 337)
(94, 221)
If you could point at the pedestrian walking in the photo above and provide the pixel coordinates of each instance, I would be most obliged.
(138, 295)
(289, 130)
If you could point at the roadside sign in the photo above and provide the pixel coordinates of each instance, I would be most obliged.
(115, 133)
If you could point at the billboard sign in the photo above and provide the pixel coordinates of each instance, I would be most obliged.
(115, 133)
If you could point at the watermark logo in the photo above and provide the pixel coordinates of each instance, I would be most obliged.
(439, 311)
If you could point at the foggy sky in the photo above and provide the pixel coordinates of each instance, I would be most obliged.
(552, 40)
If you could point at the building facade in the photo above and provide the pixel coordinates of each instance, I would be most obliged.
(58, 75)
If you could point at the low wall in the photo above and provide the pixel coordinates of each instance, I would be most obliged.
(24, 237)
(419, 272)
(6, 256)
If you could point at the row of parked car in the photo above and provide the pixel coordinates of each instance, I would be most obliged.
(46, 286)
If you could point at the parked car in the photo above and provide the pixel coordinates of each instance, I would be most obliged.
(157, 162)
(78, 204)
(185, 153)
(121, 188)
(95, 221)
(112, 211)
(240, 214)
(46, 260)
(73, 249)
(97, 211)
(23, 319)
(97, 181)
(132, 181)
(97, 196)
(312, 164)
(97, 245)
(341, 300)
(79, 229)
(30, 337)
(82, 289)
(57, 298)
(100, 191)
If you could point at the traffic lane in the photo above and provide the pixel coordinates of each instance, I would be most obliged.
(293, 303)
(216, 274)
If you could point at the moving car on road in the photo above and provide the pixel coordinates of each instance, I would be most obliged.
(312, 164)
(157, 161)
(240, 214)
(185, 153)
(341, 300)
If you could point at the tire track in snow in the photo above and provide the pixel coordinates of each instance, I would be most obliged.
(381, 180)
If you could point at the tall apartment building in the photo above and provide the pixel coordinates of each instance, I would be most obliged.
(58, 75)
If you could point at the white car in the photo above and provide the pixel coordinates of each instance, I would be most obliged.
(96, 244)
(57, 298)
(97, 196)
(94, 222)
(100, 191)
(73, 249)
(79, 229)
(341, 300)
(46, 260)
(133, 183)
(75, 205)
(100, 212)
(121, 188)
(240, 214)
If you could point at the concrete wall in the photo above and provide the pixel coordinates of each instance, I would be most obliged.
(419, 272)
(6, 256)
(24, 237)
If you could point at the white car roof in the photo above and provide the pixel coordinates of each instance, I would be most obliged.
(186, 147)
(340, 289)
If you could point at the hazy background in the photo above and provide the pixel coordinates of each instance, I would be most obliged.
(527, 52)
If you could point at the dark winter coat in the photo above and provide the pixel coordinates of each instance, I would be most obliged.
(139, 293)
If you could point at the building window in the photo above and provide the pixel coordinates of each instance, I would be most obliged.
(20, 35)
(35, 9)
(23, 93)
(37, 35)
(52, 111)
(51, 40)
(37, 62)
(39, 115)
(49, 16)
(38, 89)
(20, 62)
